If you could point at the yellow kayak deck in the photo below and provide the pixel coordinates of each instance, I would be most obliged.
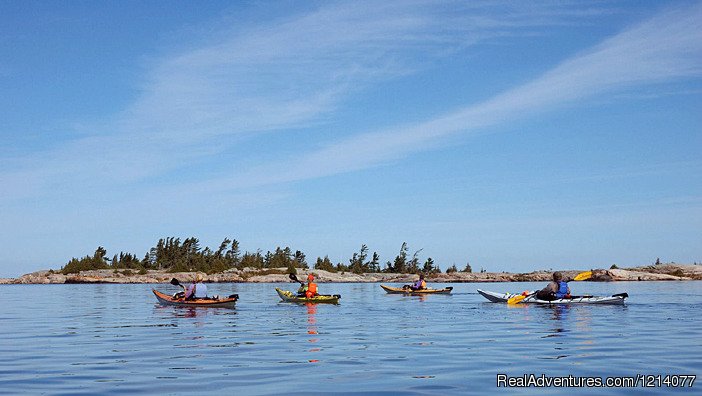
(289, 296)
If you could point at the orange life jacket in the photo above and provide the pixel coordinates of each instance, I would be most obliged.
(311, 290)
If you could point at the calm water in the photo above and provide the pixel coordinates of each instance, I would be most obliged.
(109, 339)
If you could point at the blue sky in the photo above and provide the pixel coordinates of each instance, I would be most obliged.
(512, 135)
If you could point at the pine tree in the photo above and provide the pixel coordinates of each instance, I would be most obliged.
(429, 267)
(413, 265)
(324, 264)
(374, 265)
(233, 254)
(400, 264)
(223, 247)
(300, 260)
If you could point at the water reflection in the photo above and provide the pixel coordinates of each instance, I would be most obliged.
(193, 317)
(312, 329)
(558, 319)
(420, 297)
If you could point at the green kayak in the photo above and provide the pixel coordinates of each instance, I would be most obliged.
(289, 296)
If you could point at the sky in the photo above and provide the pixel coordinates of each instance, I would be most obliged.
(514, 136)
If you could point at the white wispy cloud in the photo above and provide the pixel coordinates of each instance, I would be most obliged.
(289, 72)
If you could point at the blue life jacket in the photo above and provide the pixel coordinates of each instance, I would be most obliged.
(562, 289)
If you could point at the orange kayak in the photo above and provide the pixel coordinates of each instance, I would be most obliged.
(228, 302)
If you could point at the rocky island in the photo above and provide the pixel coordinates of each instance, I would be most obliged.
(658, 272)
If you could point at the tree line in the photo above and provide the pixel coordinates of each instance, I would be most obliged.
(175, 255)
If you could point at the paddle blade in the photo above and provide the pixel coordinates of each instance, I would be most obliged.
(293, 278)
(583, 276)
(175, 282)
(516, 299)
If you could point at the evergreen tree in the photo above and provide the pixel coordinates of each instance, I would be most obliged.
(233, 254)
(99, 255)
(223, 247)
(267, 259)
(413, 264)
(358, 263)
(341, 267)
(355, 265)
(252, 260)
(400, 264)
(281, 258)
(300, 260)
(94, 262)
(388, 267)
(374, 265)
(429, 267)
(324, 264)
(287, 256)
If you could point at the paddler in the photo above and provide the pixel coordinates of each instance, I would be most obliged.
(555, 290)
(420, 284)
(302, 291)
(311, 287)
(197, 289)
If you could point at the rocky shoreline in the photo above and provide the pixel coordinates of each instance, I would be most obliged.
(660, 272)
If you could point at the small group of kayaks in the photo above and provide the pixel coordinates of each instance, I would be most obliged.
(288, 296)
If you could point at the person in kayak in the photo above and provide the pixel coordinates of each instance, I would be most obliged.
(420, 284)
(302, 291)
(197, 289)
(555, 290)
(311, 287)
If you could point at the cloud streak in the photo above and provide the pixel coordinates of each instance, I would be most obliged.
(661, 49)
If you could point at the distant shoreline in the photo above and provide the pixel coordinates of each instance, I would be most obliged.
(659, 272)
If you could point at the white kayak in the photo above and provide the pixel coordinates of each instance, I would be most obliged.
(503, 297)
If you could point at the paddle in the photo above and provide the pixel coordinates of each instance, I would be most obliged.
(579, 277)
(175, 282)
(180, 294)
(293, 277)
